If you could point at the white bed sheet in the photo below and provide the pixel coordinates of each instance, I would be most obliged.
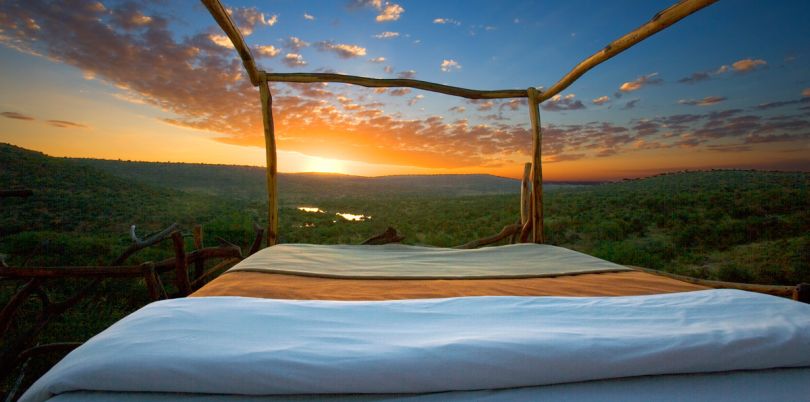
(246, 346)
(737, 386)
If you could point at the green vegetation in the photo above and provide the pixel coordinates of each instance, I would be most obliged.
(730, 225)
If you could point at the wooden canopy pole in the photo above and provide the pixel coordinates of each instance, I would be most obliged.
(525, 194)
(396, 82)
(224, 20)
(537, 167)
(658, 22)
(272, 162)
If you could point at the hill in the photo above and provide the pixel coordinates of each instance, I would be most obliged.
(248, 182)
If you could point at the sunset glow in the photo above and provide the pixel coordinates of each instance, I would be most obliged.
(159, 81)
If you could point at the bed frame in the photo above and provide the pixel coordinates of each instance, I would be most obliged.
(531, 224)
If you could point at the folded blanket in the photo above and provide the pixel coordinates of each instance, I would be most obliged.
(398, 261)
(246, 346)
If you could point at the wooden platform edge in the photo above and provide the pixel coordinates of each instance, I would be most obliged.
(798, 292)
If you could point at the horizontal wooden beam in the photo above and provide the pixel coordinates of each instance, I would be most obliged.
(396, 82)
(224, 20)
(775, 290)
(77, 272)
(660, 21)
(16, 193)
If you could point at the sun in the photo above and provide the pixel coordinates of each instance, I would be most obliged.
(325, 165)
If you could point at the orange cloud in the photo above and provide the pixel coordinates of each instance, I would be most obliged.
(343, 50)
(707, 101)
(16, 116)
(640, 82)
(601, 100)
(747, 65)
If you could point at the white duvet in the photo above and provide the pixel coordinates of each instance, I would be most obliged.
(246, 346)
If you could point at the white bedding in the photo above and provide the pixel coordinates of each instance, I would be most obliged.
(400, 261)
(245, 346)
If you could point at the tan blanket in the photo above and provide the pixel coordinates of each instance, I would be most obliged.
(396, 261)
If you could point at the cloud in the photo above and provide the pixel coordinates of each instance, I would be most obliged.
(806, 92)
(388, 11)
(266, 51)
(513, 104)
(772, 105)
(415, 99)
(309, 17)
(294, 60)
(221, 40)
(377, 60)
(640, 82)
(601, 100)
(386, 35)
(695, 78)
(482, 105)
(65, 124)
(154, 64)
(127, 16)
(388, 69)
(448, 65)
(443, 21)
(399, 91)
(247, 18)
(631, 104)
(707, 101)
(295, 44)
(343, 51)
(407, 74)
(17, 116)
(748, 65)
(458, 109)
(559, 103)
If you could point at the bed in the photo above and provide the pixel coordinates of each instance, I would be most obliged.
(407, 323)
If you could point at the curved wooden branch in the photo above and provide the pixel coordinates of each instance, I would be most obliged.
(507, 231)
(224, 20)
(660, 21)
(257, 240)
(16, 301)
(390, 235)
(396, 82)
(138, 244)
(526, 231)
(197, 283)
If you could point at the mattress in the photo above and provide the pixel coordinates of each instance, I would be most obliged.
(499, 348)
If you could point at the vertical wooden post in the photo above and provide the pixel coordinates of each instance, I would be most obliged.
(199, 265)
(525, 194)
(180, 264)
(150, 277)
(537, 167)
(272, 161)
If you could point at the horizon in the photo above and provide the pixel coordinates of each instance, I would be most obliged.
(545, 180)
(707, 93)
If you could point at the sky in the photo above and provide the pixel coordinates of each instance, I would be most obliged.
(727, 87)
